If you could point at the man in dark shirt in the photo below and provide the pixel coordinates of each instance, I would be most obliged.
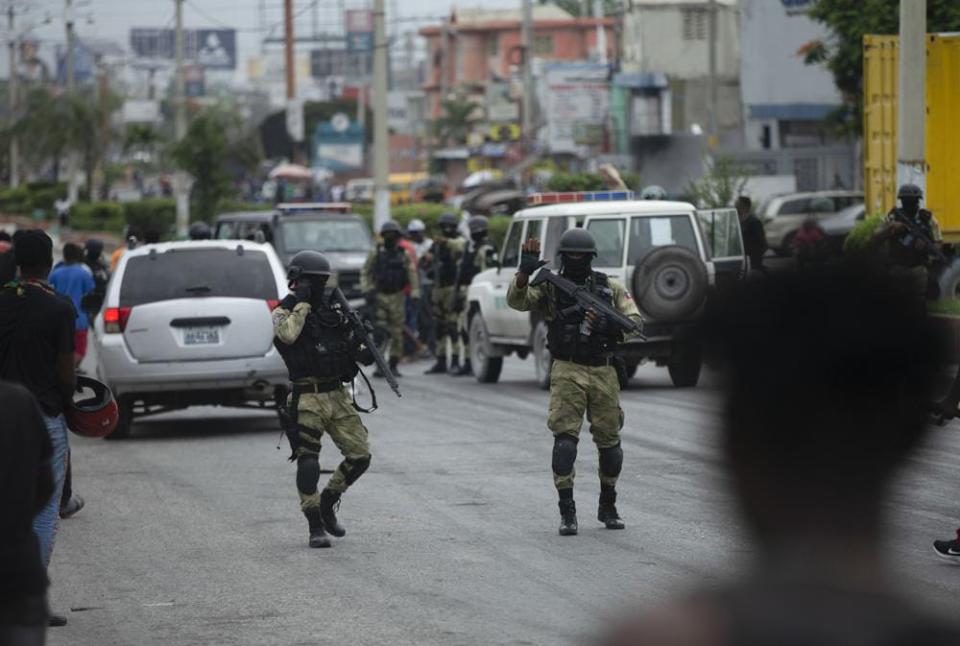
(36, 351)
(754, 237)
(26, 482)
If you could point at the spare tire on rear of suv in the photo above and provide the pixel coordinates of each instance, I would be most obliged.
(670, 283)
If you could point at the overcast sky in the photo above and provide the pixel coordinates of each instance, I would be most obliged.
(113, 19)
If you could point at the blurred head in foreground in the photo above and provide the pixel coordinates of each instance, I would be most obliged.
(826, 379)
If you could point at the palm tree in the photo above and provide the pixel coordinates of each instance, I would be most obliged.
(454, 125)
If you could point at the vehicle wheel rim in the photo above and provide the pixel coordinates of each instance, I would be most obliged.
(672, 282)
(478, 345)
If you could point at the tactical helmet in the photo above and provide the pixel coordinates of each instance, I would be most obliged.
(477, 224)
(447, 219)
(308, 263)
(96, 416)
(653, 192)
(390, 227)
(200, 231)
(577, 241)
(910, 191)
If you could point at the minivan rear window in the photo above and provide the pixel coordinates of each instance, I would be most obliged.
(188, 273)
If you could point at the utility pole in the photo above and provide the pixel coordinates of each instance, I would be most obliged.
(180, 126)
(911, 152)
(71, 45)
(444, 61)
(714, 134)
(601, 31)
(288, 50)
(381, 142)
(526, 45)
(12, 98)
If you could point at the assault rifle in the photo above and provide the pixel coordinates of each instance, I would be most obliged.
(933, 248)
(363, 333)
(585, 300)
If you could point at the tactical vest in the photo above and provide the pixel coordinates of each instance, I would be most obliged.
(566, 336)
(325, 349)
(469, 268)
(903, 251)
(446, 265)
(390, 271)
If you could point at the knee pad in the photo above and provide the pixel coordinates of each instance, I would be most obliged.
(611, 461)
(564, 454)
(308, 473)
(357, 468)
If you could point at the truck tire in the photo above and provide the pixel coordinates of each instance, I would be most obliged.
(486, 368)
(684, 366)
(124, 419)
(670, 283)
(542, 360)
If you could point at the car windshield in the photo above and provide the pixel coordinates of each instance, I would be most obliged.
(325, 235)
(188, 273)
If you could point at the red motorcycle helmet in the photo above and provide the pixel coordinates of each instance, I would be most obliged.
(96, 415)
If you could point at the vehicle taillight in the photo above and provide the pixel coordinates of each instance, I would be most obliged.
(273, 303)
(115, 319)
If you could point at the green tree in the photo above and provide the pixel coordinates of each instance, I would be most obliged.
(720, 186)
(215, 144)
(454, 125)
(842, 53)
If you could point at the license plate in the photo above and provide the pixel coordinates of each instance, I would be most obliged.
(201, 336)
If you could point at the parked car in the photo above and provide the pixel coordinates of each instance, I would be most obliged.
(669, 254)
(325, 227)
(782, 215)
(838, 227)
(189, 323)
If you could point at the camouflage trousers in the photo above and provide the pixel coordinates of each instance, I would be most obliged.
(391, 315)
(576, 390)
(331, 413)
(445, 319)
(462, 326)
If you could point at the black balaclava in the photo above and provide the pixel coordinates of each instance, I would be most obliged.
(576, 269)
(390, 241)
(478, 237)
(910, 205)
(317, 289)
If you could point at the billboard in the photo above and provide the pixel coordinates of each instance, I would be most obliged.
(338, 144)
(339, 62)
(577, 105)
(214, 49)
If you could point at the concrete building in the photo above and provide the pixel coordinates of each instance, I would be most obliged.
(479, 46)
(784, 100)
(671, 38)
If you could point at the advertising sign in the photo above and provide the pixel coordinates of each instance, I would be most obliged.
(338, 62)
(214, 49)
(577, 104)
(338, 144)
(359, 20)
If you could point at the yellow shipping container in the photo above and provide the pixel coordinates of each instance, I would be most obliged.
(880, 81)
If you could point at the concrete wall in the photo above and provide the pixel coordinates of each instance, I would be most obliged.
(653, 37)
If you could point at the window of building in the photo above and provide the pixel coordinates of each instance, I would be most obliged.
(542, 45)
(645, 118)
(493, 46)
(695, 24)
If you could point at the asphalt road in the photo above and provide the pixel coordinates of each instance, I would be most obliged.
(192, 532)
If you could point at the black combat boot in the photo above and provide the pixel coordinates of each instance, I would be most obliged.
(607, 512)
(330, 500)
(318, 537)
(568, 517)
(394, 361)
(439, 367)
(454, 364)
(466, 369)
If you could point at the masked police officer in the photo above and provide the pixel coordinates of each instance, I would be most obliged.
(387, 274)
(912, 237)
(321, 353)
(583, 378)
(443, 257)
(478, 255)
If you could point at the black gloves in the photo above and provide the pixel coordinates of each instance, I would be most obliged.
(530, 262)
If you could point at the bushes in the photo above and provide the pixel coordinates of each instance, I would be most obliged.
(151, 215)
(498, 230)
(859, 242)
(156, 214)
(98, 216)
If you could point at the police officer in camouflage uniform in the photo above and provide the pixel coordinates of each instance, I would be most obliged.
(384, 279)
(478, 255)
(321, 353)
(910, 254)
(443, 257)
(583, 378)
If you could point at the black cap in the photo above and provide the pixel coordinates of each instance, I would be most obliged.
(32, 248)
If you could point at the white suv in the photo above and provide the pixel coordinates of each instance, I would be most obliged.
(189, 323)
(668, 254)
